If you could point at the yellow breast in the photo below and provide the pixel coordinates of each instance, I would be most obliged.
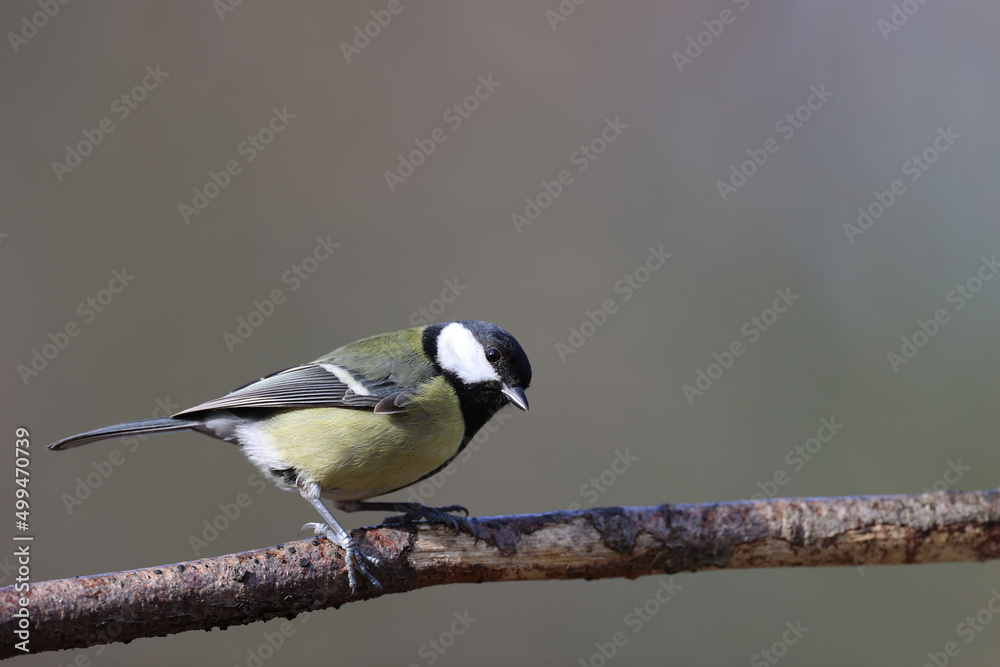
(357, 454)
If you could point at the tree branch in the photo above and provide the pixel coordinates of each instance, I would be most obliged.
(292, 578)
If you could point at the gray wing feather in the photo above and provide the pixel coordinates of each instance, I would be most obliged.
(308, 385)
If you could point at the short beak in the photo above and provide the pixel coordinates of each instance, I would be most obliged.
(516, 396)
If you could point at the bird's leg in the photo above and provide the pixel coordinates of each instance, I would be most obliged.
(333, 531)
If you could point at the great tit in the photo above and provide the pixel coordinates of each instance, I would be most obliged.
(369, 418)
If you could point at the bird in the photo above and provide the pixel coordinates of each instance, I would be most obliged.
(369, 418)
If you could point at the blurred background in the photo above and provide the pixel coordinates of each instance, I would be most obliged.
(197, 194)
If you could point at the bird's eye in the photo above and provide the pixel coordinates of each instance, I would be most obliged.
(492, 355)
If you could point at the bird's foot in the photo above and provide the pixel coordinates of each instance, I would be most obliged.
(354, 560)
(415, 512)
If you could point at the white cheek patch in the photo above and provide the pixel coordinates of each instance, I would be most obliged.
(460, 352)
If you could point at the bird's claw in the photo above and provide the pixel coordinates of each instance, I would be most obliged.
(436, 515)
(354, 560)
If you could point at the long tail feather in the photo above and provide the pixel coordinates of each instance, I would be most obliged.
(163, 425)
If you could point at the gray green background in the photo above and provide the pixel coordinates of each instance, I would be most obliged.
(161, 338)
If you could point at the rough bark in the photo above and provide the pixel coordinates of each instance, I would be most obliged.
(297, 577)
